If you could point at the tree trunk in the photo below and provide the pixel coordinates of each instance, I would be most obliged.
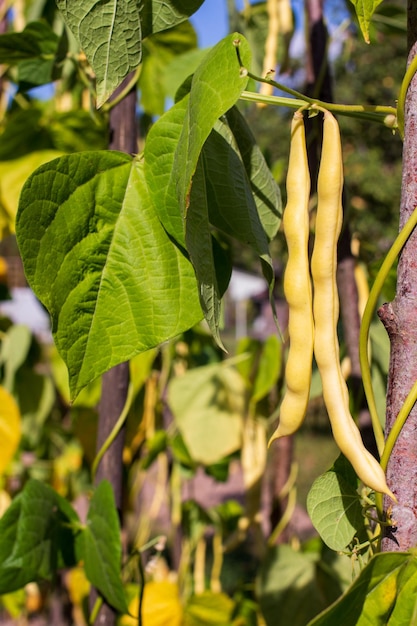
(399, 319)
(123, 137)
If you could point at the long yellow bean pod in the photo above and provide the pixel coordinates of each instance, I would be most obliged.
(326, 311)
(297, 286)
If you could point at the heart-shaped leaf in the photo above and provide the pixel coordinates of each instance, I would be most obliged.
(96, 255)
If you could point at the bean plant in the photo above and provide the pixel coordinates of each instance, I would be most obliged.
(128, 253)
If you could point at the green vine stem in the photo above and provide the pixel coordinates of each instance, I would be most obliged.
(385, 114)
(381, 114)
(96, 608)
(398, 424)
(411, 70)
(366, 322)
(393, 436)
(115, 431)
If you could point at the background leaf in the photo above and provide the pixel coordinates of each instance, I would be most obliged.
(208, 404)
(364, 11)
(14, 349)
(158, 52)
(208, 609)
(102, 547)
(287, 587)
(36, 537)
(36, 41)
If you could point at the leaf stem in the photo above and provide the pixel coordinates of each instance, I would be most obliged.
(123, 93)
(96, 608)
(376, 113)
(366, 112)
(398, 424)
(366, 322)
(141, 589)
(115, 431)
(411, 70)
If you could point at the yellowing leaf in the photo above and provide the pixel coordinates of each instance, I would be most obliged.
(77, 585)
(13, 175)
(161, 606)
(5, 501)
(10, 428)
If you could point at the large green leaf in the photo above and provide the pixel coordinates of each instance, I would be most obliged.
(160, 148)
(231, 190)
(232, 199)
(199, 246)
(364, 11)
(334, 506)
(382, 595)
(111, 33)
(96, 255)
(103, 548)
(264, 188)
(216, 86)
(36, 537)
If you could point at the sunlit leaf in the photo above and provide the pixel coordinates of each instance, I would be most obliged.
(161, 606)
(85, 228)
(378, 596)
(14, 350)
(111, 34)
(208, 608)
(216, 86)
(364, 11)
(208, 404)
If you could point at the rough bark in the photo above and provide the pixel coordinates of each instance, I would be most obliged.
(399, 319)
(123, 137)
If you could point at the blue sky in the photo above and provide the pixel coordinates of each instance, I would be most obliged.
(210, 22)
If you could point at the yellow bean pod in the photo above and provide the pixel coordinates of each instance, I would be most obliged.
(326, 311)
(297, 286)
